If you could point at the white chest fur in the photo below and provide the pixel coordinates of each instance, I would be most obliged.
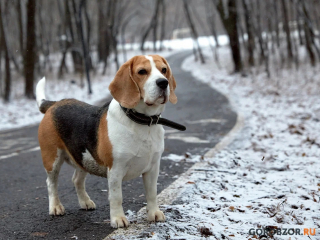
(136, 148)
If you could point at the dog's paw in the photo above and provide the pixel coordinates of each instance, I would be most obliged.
(119, 222)
(88, 205)
(156, 216)
(57, 210)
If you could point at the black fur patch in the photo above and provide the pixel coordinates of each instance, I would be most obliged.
(77, 124)
(45, 105)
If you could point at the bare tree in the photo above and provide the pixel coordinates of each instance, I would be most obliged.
(287, 29)
(163, 24)
(193, 29)
(78, 16)
(4, 47)
(307, 33)
(153, 25)
(20, 23)
(102, 32)
(250, 33)
(230, 24)
(211, 23)
(263, 43)
(30, 51)
(123, 31)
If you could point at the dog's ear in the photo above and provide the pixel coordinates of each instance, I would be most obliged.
(172, 83)
(123, 87)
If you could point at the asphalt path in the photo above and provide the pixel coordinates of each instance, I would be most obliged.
(23, 192)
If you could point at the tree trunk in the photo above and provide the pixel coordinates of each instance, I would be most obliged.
(20, 23)
(251, 43)
(4, 47)
(193, 29)
(212, 25)
(30, 53)
(287, 29)
(63, 42)
(75, 38)
(113, 31)
(307, 34)
(276, 20)
(163, 24)
(78, 17)
(152, 25)
(107, 37)
(123, 31)
(155, 27)
(230, 24)
(258, 30)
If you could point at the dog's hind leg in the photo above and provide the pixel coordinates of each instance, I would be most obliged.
(55, 206)
(78, 179)
(53, 156)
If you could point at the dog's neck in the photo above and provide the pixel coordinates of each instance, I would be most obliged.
(143, 108)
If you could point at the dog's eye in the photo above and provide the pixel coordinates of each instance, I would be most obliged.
(164, 70)
(142, 72)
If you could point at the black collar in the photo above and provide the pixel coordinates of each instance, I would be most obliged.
(151, 120)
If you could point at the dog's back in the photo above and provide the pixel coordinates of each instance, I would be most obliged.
(72, 126)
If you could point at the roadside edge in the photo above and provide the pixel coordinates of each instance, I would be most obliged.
(174, 190)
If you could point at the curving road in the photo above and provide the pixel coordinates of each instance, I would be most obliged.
(23, 193)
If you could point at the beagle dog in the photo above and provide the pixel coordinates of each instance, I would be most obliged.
(105, 141)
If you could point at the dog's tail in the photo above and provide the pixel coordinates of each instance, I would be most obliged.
(43, 104)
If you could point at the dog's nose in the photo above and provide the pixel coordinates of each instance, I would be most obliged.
(162, 83)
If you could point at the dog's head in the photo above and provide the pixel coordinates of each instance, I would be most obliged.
(144, 77)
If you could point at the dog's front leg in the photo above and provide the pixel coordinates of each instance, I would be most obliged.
(117, 216)
(150, 183)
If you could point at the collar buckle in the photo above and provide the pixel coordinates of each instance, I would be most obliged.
(158, 119)
(151, 121)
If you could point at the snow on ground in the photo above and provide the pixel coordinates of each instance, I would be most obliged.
(269, 176)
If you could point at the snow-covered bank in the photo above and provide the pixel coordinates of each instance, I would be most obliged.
(269, 177)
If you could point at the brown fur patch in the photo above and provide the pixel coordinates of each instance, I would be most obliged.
(49, 141)
(104, 147)
(124, 88)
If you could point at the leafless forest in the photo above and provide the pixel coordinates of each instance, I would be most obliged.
(94, 32)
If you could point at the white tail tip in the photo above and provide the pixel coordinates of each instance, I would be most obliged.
(40, 91)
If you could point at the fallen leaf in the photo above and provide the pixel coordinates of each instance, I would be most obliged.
(205, 231)
(190, 182)
(39, 234)
(231, 208)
